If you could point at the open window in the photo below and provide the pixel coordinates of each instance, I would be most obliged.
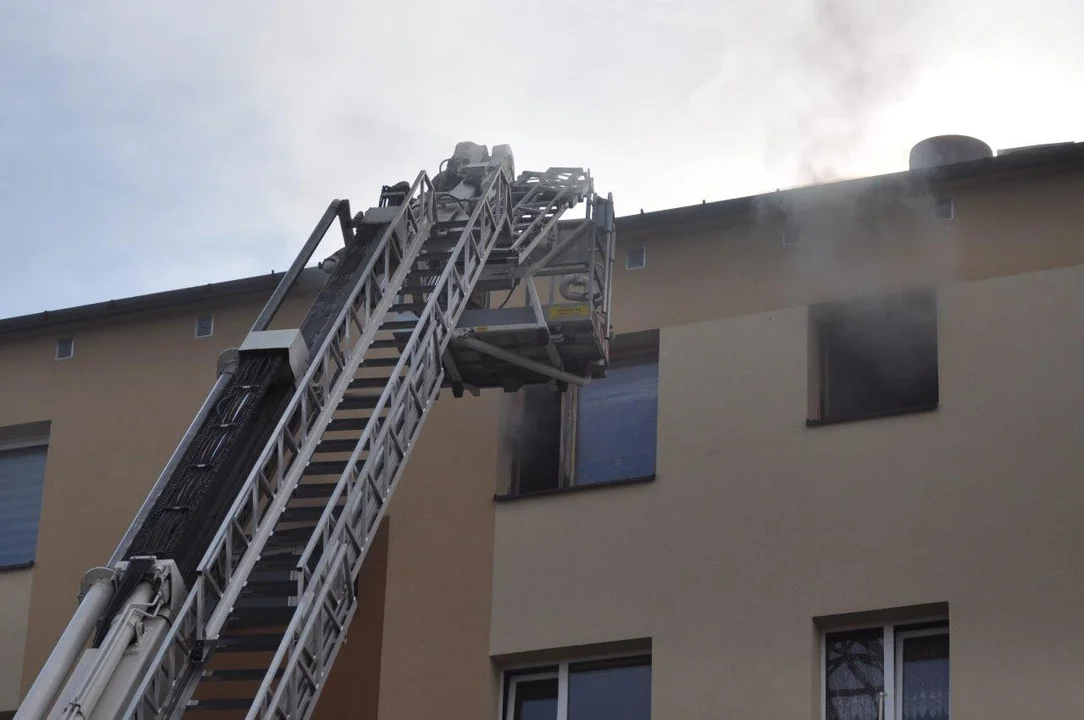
(612, 689)
(604, 432)
(874, 357)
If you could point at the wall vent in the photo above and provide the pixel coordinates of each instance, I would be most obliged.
(636, 259)
(943, 208)
(65, 348)
(792, 233)
(205, 326)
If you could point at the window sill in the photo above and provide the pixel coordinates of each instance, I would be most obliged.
(873, 416)
(17, 566)
(573, 489)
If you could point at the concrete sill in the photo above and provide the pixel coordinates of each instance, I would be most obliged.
(17, 566)
(888, 413)
(572, 489)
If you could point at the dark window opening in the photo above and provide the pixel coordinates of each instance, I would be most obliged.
(537, 441)
(877, 357)
(943, 208)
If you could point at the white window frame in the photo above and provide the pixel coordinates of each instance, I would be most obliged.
(893, 658)
(507, 704)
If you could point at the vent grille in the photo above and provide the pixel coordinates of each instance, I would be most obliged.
(636, 259)
(792, 234)
(943, 208)
(205, 326)
(65, 348)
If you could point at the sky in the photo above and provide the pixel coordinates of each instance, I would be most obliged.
(148, 146)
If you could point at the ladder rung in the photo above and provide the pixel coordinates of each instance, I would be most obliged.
(398, 324)
(336, 446)
(414, 289)
(301, 514)
(359, 402)
(407, 307)
(389, 343)
(369, 383)
(350, 423)
(220, 704)
(245, 642)
(306, 491)
(380, 362)
(238, 674)
(251, 600)
(325, 467)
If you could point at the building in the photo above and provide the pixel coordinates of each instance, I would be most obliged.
(839, 454)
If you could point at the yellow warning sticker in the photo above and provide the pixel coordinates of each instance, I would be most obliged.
(567, 312)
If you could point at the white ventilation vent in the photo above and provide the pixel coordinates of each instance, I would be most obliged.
(65, 348)
(943, 208)
(636, 259)
(205, 326)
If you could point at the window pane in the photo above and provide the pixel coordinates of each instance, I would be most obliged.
(22, 475)
(618, 425)
(610, 693)
(926, 678)
(535, 700)
(538, 440)
(854, 674)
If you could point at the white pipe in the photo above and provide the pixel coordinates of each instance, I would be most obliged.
(54, 673)
(110, 653)
(533, 365)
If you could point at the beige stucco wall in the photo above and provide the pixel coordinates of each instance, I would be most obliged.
(14, 613)
(756, 524)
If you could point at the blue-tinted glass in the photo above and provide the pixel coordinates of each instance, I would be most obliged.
(622, 693)
(618, 425)
(22, 475)
(536, 700)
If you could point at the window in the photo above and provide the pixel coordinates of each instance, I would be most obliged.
(603, 432)
(618, 689)
(205, 326)
(792, 233)
(22, 478)
(636, 259)
(65, 348)
(874, 357)
(887, 672)
(943, 208)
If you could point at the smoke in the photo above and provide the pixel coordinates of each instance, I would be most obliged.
(847, 60)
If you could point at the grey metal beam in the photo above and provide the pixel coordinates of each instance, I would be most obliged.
(511, 357)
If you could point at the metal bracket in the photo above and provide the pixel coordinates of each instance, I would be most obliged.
(511, 357)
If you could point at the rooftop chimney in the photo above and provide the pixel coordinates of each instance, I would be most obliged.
(948, 149)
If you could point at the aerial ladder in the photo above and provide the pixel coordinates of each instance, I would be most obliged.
(234, 586)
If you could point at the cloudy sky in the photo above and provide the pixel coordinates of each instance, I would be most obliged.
(146, 146)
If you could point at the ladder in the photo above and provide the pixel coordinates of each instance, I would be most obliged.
(261, 625)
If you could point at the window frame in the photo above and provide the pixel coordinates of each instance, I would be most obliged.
(819, 361)
(529, 672)
(638, 348)
(893, 656)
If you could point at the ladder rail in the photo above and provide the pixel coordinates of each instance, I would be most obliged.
(255, 510)
(389, 441)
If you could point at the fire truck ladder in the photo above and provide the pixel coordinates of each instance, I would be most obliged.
(269, 608)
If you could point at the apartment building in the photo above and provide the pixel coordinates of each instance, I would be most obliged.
(835, 470)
